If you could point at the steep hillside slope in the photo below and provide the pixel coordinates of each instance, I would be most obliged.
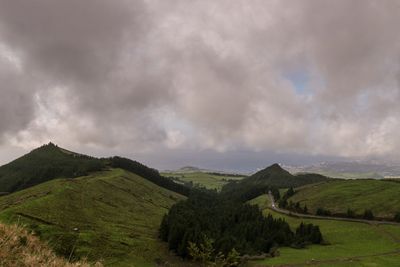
(50, 162)
(382, 197)
(273, 176)
(43, 164)
(22, 249)
(112, 215)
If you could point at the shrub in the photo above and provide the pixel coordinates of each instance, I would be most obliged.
(368, 215)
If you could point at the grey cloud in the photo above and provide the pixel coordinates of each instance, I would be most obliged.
(67, 39)
(16, 99)
(131, 74)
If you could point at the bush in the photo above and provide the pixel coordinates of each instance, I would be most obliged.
(350, 213)
(368, 215)
(323, 212)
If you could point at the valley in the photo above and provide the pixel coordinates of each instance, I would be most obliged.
(110, 210)
(206, 179)
(203, 133)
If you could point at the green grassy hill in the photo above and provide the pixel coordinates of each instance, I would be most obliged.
(349, 244)
(206, 179)
(50, 162)
(273, 176)
(112, 215)
(43, 164)
(382, 197)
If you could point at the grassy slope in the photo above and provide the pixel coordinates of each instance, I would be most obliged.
(382, 197)
(347, 240)
(208, 180)
(117, 213)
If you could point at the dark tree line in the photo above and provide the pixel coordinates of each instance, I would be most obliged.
(367, 215)
(247, 193)
(308, 234)
(231, 224)
(148, 173)
(227, 174)
(283, 202)
(293, 206)
(397, 217)
(323, 212)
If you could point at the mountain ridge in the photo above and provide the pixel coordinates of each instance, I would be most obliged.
(43, 164)
(271, 177)
(50, 161)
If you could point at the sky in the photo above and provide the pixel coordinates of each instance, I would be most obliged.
(229, 84)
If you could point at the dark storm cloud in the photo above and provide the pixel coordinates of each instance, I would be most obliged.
(67, 40)
(89, 49)
(204, 75)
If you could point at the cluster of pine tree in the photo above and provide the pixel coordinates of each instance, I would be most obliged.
(293, 206)
(307, 234)
(231, 224)
(283, 202)
(248, 192)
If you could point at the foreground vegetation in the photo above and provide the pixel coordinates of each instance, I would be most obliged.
(351, 197)
(18, 248)
(348, 243)
(111, 215)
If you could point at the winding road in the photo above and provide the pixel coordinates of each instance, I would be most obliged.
(341, 260)
(274, 207)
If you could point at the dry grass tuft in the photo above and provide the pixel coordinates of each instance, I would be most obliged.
(18, 248)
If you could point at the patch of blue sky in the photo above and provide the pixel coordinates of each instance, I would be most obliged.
(300, 80)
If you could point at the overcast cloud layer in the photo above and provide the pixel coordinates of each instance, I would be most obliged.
(151, 79)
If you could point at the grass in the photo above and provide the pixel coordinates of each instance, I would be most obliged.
(18, 248)
(382, 197)
(347, 241)
(208, 180)
(111, 215)
(262, 201)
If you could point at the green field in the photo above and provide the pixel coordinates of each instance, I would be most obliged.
(349, 244)
(382, 197)
(350, 175)
(112, 215)
(208, 180)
